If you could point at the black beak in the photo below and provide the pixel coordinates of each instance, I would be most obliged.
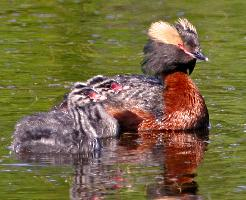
(198, 55)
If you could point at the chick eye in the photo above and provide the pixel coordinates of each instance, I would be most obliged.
(86, 92)
(107, 85)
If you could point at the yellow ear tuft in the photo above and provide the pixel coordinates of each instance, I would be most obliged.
(165, 33)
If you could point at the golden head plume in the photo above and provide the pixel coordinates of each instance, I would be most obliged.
(186, 25)
(165, 33)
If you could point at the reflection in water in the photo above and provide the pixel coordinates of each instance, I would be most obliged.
(177, 155)
(182, 152)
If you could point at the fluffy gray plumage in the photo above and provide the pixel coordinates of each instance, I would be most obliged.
(65, 132)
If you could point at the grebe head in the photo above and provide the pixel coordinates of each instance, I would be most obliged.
(79, 98)
(103, 84)
(90, 120)
(190, 40)
(108, 86)
(81, 94)
(171, 48)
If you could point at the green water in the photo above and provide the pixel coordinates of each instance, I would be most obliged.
(46, 45)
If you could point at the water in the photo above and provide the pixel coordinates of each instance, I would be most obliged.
(46, 45)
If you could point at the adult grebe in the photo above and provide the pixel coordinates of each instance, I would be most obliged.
(168, 100)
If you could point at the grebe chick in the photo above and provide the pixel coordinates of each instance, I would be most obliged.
(54, 131)
(104, 85)
(101, 84)
(165, 98)
(90, 120)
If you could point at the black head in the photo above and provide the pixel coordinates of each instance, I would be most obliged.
(190, 40)
(171, 48)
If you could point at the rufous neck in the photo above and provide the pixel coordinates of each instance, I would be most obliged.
(184, 107)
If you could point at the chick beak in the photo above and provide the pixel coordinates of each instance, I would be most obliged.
(198, 55)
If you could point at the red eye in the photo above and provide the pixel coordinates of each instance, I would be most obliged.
(181, 46)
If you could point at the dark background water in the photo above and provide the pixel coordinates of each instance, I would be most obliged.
(46, 45)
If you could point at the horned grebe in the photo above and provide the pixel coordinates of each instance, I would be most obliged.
(169, 99)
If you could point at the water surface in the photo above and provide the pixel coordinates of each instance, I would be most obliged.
(47, 45)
